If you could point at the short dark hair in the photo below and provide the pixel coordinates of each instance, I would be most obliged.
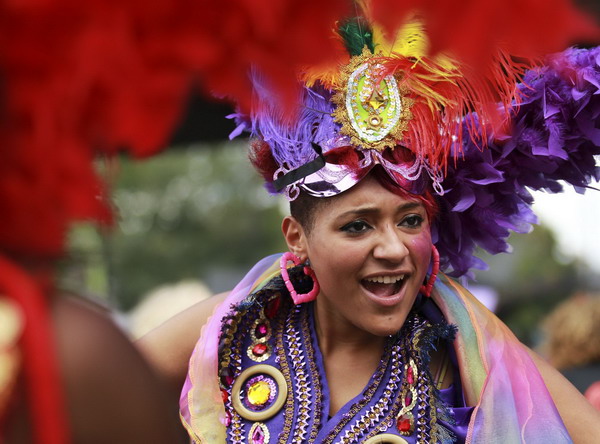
(304, 207)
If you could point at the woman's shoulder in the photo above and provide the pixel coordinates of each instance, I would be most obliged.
(169, 346)
(581, 419)
(185, 327)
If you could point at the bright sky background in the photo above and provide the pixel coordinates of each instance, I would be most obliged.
(575, 219)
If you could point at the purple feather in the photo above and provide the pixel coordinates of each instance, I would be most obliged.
(291, 143)
(555, 136)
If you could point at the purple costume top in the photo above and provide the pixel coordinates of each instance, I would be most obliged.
(272, 349)
(256, 376)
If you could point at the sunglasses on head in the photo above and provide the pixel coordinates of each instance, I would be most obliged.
(322, 177)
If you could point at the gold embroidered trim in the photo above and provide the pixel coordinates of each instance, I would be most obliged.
(316, 379)
(285, 369)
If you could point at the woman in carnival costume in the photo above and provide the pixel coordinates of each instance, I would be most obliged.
(86, 78)
(397, 165)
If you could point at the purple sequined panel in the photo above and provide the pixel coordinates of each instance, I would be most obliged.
(303, 416)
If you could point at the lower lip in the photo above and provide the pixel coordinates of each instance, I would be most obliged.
(386, 301)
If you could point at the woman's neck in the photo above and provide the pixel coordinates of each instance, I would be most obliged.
(336, 335)
(340, 343)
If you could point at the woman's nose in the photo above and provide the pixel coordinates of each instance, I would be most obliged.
(390, 246)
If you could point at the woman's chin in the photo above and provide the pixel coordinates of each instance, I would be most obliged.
(385, 325)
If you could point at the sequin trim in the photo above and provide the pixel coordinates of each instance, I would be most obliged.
(303, 390)
(372, 417)
(315, 376)
(231, 359)
(285, 369)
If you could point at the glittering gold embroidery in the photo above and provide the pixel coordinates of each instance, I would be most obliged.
(373, 111)
(372, 417)
(303, 389)
(426, 429)
(314, 371)
(292, 343)
(231, 353)
(285, 369)
(227, 354)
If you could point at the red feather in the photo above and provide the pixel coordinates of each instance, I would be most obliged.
(262, 159)
(46, 401)
(444, 95)
(472, 29)
(82, 78)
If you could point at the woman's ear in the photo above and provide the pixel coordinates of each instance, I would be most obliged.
(295, 237)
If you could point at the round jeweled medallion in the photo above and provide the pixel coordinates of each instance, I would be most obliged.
(259, 392)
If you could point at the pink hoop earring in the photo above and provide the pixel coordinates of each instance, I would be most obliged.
(302, 297)
(435, 268)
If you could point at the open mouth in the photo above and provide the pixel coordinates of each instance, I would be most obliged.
(384, 286)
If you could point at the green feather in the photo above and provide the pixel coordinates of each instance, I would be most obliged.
(356, 34)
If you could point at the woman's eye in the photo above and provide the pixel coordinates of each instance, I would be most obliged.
(357, 226)
(412, 221)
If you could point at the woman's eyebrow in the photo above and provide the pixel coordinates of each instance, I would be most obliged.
(361, 211)
(409, 206)
(366, 210)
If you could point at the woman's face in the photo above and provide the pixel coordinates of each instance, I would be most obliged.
(370, 250)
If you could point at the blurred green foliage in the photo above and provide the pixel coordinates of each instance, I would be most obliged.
(191, 212)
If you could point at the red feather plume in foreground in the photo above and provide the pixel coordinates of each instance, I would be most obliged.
(80, 79)
(470, 29)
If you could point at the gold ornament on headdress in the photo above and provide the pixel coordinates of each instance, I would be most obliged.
(372, 108)
(397, 93)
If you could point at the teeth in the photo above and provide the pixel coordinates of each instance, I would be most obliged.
(385, 279)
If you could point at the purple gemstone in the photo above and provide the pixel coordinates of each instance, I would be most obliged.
(258, 436)
(261, 330)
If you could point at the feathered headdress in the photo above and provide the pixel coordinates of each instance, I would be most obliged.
(381, 94)
(480, 136)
